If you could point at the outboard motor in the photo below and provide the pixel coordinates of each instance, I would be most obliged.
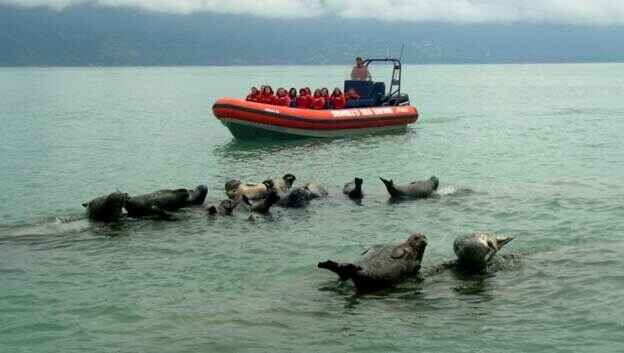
(401, 99)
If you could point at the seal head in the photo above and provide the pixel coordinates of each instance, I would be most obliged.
(224, 208)
(197, 196)
(414, 247)
(435, 182)
(289, 180)
(475, 251)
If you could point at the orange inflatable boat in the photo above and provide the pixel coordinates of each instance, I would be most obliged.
(377, 110)
(249, 119)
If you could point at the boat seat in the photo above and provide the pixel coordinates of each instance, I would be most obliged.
(378, 92)
(371, 93)
(363, 88)
(359, 103)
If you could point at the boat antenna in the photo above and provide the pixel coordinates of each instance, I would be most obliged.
(401, 55)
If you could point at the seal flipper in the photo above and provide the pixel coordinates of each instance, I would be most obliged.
(344, 271)
(357, 192)
(495, 245)
(390, 187)
(500, 241)
(246, 200)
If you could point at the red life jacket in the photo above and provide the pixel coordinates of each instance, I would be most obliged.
(253, 97)
(338, 101)
(318, 103)
(303, 101)
(267, 99)
(283, 100)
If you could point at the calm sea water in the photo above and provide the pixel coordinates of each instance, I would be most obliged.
(540, 146)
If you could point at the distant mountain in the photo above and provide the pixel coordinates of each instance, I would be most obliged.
(88, 35)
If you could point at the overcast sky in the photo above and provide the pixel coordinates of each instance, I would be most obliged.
(595, 12)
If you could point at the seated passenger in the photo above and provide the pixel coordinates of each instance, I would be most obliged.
(254, 95)
(325, 94)
(267, 96)
(337, 99)
(292, 94)
(318, 102)
(282, 97)
(304, 100)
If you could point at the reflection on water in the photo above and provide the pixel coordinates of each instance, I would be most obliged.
(237, 148)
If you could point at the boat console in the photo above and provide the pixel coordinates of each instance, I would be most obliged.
(373, 94)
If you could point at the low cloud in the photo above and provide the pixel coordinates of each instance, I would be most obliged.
(598, 12)
(261, 8)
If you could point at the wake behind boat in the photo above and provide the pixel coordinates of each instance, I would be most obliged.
(374, 110)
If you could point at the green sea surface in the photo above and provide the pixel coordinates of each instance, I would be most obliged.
(531, 151)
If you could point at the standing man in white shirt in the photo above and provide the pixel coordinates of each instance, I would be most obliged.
(360, 71)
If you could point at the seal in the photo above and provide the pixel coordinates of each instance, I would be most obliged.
(353, 189)
(157, 204)
(107, 208)
(231, 188)
(196, 197)
(298, 197)
(225, 208)
(382, 266)
(414, 190)
(234, 189)
(475, 252)
(284, 183)
(263, 206)
(316, 190)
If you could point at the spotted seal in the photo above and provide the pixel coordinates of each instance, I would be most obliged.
(234, 189)
(298, 197)
(475, 252)
(382, 266)
(413, 190)
(301, 196)
(263, 206)
(316, 190)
